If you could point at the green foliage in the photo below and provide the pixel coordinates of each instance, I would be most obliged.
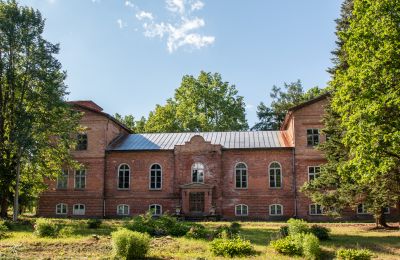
(130, 244)
(197, 232)
(161, 226)
(287, 246)
(94, 223)
(321, 232)
(297, 226)
(205, 103)
(284, 231)
(353, 254)
(292, 94)
(45, 228)
(3, 229)
(300, 244)
(310, 246)
(66, 231)
(130, 122)
(231, 247)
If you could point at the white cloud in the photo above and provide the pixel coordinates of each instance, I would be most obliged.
(121, 23)
(179, 32)
(144, 15)
(129, 4)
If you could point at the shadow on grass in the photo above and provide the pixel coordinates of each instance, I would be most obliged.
(257, 236)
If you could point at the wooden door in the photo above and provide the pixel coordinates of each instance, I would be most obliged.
(196, 202)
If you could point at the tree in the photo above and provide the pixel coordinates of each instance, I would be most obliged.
(37, 126)
(366, 105)
(291, 95)
(205, 103)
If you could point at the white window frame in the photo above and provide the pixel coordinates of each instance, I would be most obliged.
(276, 209)
(315, 213)
(129, 176)
(313, 135)
(364, 209)
(161, 176)
(241, 174)
(85, 177)
(125, 210)
(156, 206)
(200, 168)
(274, 174)
(65, 174)
(314, 174)
(241, 206)
(61, 205)
(78, 212)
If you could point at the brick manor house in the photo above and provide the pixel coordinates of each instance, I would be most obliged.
(253, 175)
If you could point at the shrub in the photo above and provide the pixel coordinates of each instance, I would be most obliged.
(45, 228)
(287, 246)
(197, 232)
(231, 247)
(3, 229)
(321, 232)
(284, 231)
(66, 231)
(235, 226)
(297, 226)
(130, 244)
(310, 246)
(353, 254)
(94, 223)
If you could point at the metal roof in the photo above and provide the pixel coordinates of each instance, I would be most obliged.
(228, 140)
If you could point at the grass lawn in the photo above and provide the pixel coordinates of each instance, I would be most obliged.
(23, 243)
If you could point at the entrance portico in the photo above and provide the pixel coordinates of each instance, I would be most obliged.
(196, 199)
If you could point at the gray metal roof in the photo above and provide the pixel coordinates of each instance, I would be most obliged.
(228, 140)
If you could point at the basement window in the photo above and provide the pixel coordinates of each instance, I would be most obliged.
(123, 210)
(276, 210)
(241, 210)
(61, 209)
(79, 209)
(155, 209)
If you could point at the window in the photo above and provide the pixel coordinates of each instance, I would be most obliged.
(276, 210)
(155, 177)
(123, 210)
(362, 209)
(198, 173)
(313, 172)
(123, 176)
(62, 179)
(241, 176)
(275, 175)
(82, 142)
(241, 210)
(312, 137)
(80, 179)
(316, 209)
(61, 209)
(155, 209)
(79, 209)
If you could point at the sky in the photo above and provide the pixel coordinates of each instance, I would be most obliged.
(128, 56)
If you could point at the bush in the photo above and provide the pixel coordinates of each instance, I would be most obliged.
(231, 247)
(310, 246)
(321, 232)
(284, 231)
(353, 254)
(66, 231)
(3, 229)
(94, 223)
(45, 228)
(287, 246)
(297, 226)
(130, 244)
(197, 232)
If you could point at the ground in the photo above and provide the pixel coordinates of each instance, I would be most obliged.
(96, 243)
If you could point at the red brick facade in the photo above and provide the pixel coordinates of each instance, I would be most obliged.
(104, 193)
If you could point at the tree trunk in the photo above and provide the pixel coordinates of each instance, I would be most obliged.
(4, 205)
(382, 220)
(16, 193)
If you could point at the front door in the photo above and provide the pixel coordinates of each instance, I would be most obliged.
(196, 202)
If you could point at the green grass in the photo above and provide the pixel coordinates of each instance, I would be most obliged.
(22, 243)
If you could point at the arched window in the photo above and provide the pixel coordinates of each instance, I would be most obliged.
(241, 176)
(198, 173)
(241, 210)
(275, 175)
(123, 210)
(155, 177)
(155, 209)
(61, 209)
(276, 210)
(123, 176)
(79, 209)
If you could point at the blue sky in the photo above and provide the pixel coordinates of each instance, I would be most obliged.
(128, 56)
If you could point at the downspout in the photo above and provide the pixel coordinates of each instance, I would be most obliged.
(294, 181)
(104, 171)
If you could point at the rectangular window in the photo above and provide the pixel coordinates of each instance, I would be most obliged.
(155, 209)
(316, 209)
(123, 210)
(312, 137)
(80, 179)
(79, 209)
(61, 209)
(362, 209)
(275, 210)
(62, 179)
(82, 142)
(313, 172)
